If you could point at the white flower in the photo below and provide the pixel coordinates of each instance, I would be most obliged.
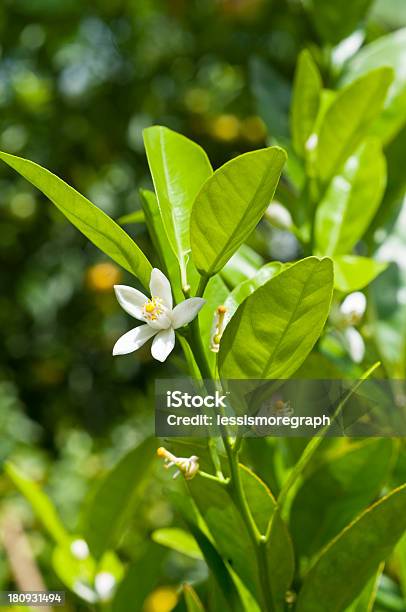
(188, 466)
(79, 549)
(353, 307)
(279, 216)
(354, 343)
(158, 313)
(104, 584)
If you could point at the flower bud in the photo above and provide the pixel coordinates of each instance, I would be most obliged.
(279, 216)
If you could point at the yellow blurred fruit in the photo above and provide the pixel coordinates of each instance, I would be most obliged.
(102, 277)
(163, 599)
(225, 127)
(253, 130)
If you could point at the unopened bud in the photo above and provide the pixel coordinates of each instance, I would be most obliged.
(279, 216)
(218, 328)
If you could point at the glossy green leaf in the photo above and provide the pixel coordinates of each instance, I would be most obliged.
(336, 490)
(90, 220)
(276, 327)
(179, 167)
(193, 603)
(167, 259)
(228, 530)
(279, 549)
(244, 289)
(179, 540)
(230, 205)
(348, 119)
(305, 101)
(134, 217)
(336, 20)
(40, 502)
(244, 264)
(352, 272)
(351, 201)
(349, 561)
(114, 498)
(234, 593)
(389, 50)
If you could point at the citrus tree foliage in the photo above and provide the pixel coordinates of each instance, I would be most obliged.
(269, 524)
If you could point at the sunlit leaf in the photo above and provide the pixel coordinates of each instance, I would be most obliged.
(352, 272)
(177, 539)
(389, 50)
(40, 502)
(276, 327)
(351, 201)
(305, 101)
(348, 119)
(179, 167)
(230, 205)
(90, 220)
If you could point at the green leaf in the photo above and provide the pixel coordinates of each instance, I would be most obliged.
(349, 561)
(230, 205)
(141, 578)
(40, 502)
(276, 327)
(244, 289)
(167, 260)
(351, 201)
(179, 167)
(386, 296)
(193, 603)
(336, 20)
(90, 220)
(179, 540)
(114, 498)
(305, 101)
(352, 273)
(272, 93)
(365, 601)
(336, 490)
(229, 584)
(228, 530)
(389, 50)
(134, 217)
(244, 264)
(279, 549)
(348, 119)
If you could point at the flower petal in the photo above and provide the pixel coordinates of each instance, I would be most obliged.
(355, 303)
(163, 344)
(160, 287)
(355, 344)
(186, 311)
(131, 300)
(133, 340)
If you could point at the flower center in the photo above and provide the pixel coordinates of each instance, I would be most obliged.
(153, 308)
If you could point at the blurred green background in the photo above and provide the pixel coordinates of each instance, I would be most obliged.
(78, 83)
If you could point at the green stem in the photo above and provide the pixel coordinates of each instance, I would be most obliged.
(258, 540)
(315, 442)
